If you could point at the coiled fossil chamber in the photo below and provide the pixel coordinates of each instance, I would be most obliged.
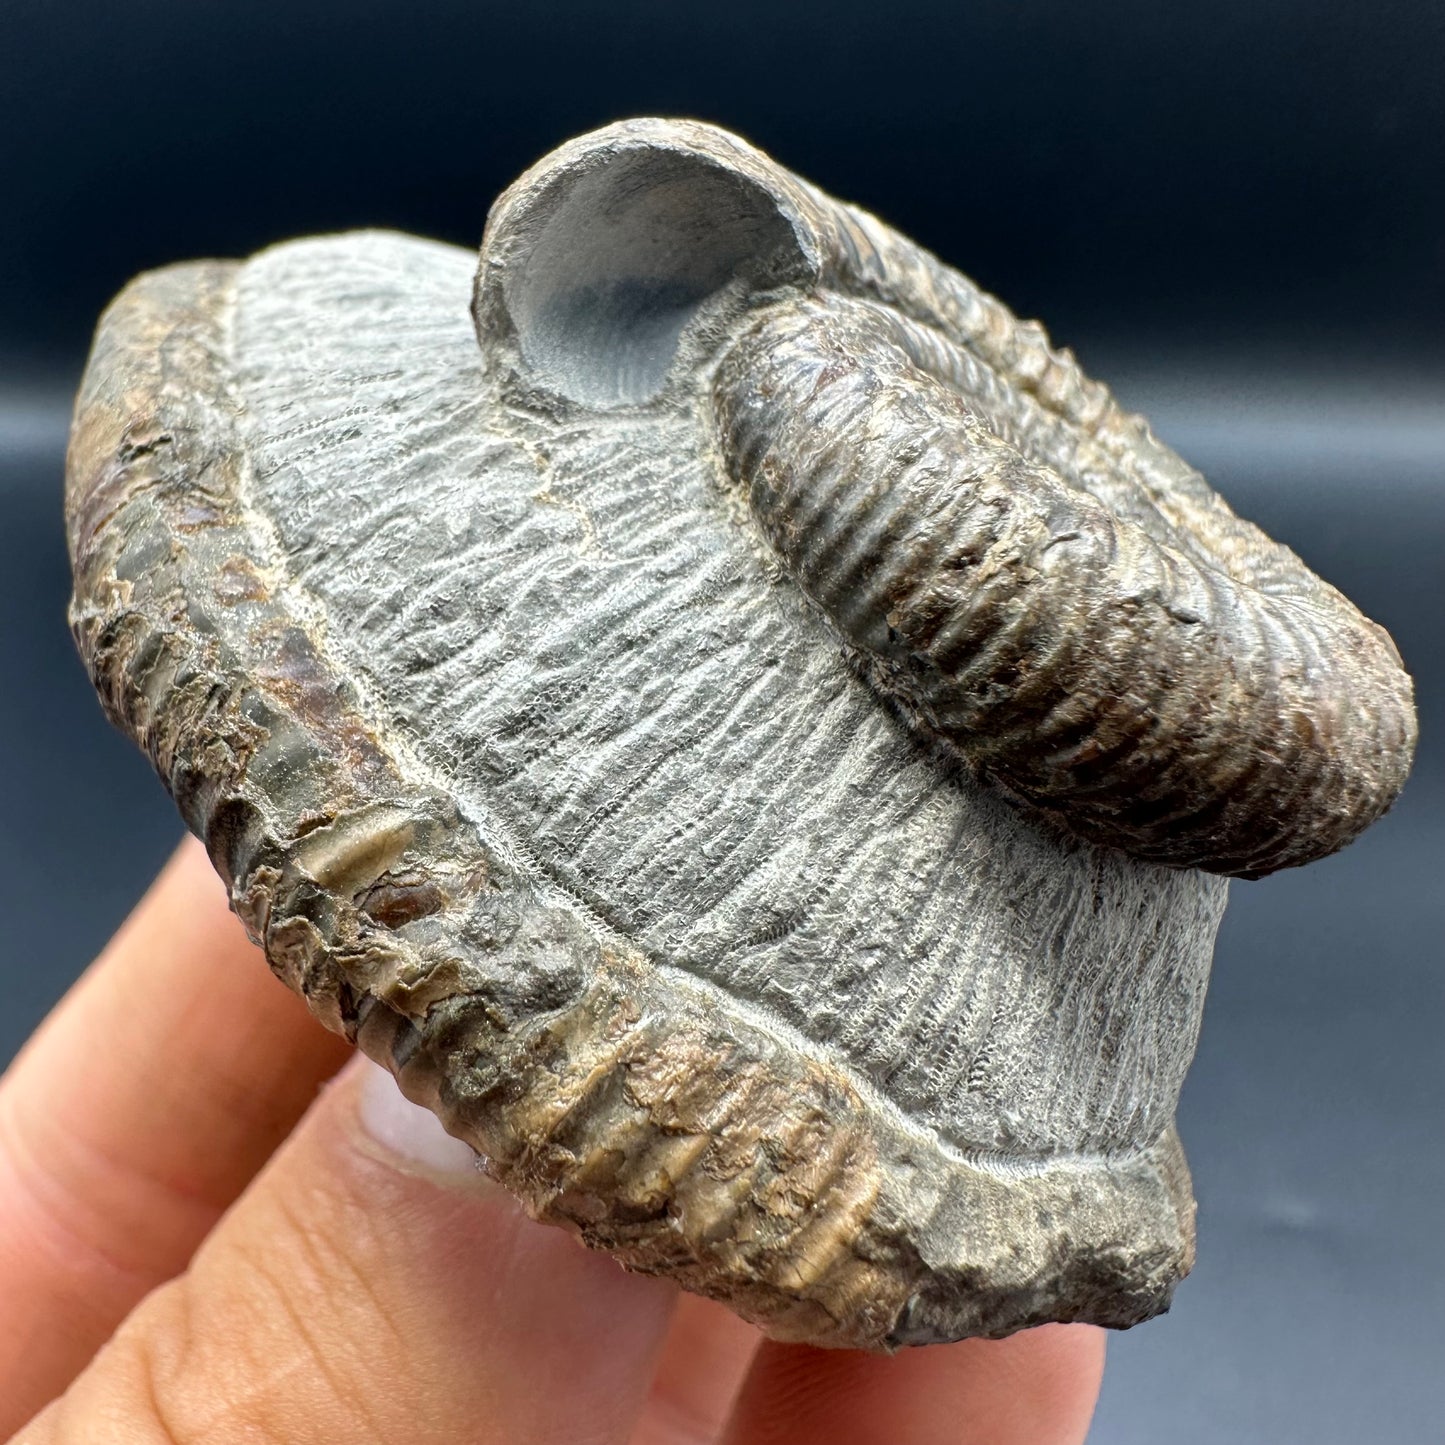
(757, 745)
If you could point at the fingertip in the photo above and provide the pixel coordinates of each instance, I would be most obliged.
(408, 1134)
(396, 1148)
(1037, 1387)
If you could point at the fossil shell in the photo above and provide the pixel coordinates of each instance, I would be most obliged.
(752, 744)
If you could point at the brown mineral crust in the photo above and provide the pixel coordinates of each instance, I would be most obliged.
(623, 1100)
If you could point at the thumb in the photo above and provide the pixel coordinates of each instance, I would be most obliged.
(373, 1285)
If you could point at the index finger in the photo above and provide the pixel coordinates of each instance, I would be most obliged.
(144, 1105)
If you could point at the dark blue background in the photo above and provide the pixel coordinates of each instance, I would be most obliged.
(1234, 212)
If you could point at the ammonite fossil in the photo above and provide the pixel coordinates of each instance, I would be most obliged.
(757, 744)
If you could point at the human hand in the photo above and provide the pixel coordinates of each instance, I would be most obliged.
(184, 1257)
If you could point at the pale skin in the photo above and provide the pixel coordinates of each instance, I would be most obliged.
(205, 1235)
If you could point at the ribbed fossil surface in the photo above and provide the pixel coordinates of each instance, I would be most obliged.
(752, 743)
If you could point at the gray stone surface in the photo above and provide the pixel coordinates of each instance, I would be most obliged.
(624, 689)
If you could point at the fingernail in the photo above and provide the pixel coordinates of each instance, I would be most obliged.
(408, 1130)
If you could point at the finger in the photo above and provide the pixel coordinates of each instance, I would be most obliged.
(703, 1365)
(355, 1293)
(138, 1112)
(1035, 1388)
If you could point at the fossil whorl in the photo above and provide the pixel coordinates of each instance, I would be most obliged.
(1187, 692)
(1021, 565)
(575, 697)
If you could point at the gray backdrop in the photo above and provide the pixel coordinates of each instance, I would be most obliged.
(1234, 215)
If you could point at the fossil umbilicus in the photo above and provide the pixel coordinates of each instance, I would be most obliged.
(754, 746)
